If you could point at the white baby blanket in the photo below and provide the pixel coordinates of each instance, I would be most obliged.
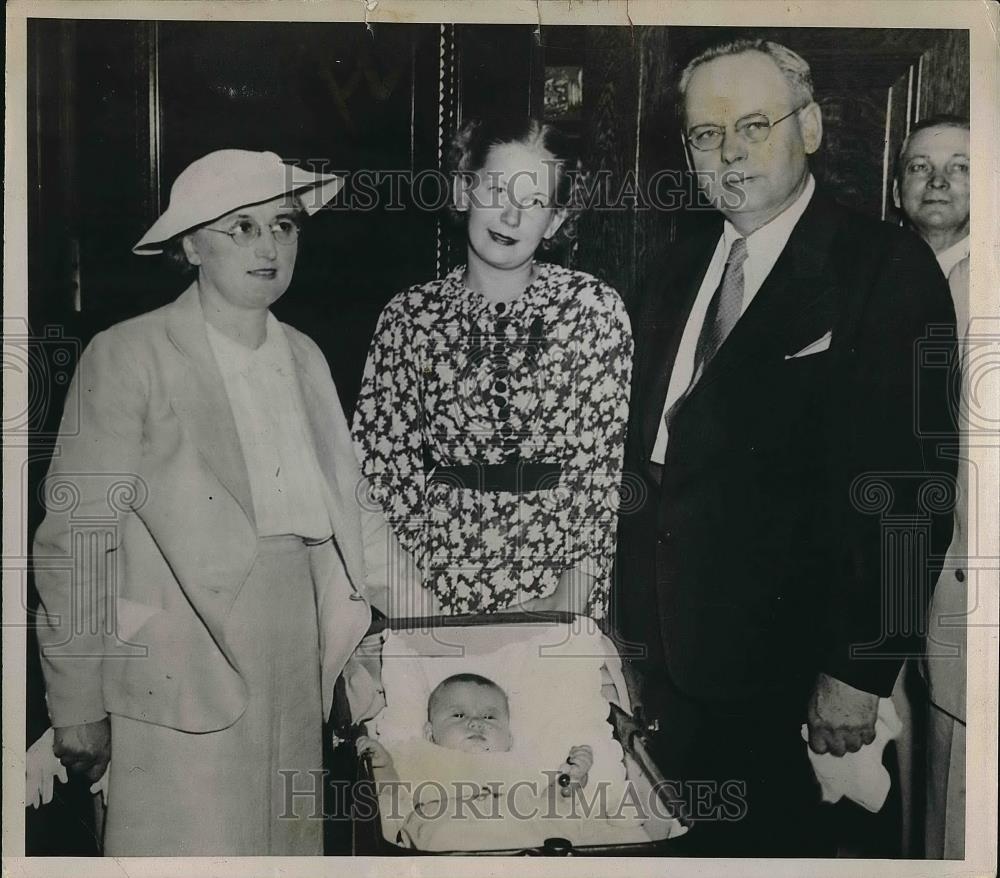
(552, 675)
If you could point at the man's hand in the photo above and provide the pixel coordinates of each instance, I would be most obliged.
(84, 749)
(841, 719)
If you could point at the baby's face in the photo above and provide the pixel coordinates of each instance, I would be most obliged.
(470, 717)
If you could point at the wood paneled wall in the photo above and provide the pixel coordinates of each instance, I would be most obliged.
(944, 77)
(611, 113)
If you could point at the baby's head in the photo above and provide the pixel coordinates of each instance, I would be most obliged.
(468, 712)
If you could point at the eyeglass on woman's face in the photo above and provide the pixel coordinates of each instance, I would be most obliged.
(246, 230)
(753, 128)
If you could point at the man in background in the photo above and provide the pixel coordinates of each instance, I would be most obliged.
(932, 190)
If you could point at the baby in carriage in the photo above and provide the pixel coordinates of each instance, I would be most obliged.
(496, 737)
(471, 713)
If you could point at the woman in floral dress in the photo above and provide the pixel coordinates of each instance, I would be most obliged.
(492, 415)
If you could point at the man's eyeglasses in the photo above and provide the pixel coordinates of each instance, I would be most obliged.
(246, 231)
(753, 128)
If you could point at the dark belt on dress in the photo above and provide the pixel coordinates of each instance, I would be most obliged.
(515, 476)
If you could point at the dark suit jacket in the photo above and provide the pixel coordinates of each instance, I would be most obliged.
(792, 486)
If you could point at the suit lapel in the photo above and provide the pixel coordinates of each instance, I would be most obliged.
(795, 301)
(202, 403)
(665, 330)
(338, 568)
(335, 454)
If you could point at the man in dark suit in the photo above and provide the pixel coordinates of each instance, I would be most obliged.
(786, 435)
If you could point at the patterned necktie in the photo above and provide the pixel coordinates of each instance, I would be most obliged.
(724, 309)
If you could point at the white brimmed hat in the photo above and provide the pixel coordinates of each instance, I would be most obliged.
(222, 181)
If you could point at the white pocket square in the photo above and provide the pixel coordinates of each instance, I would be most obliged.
(821, 344)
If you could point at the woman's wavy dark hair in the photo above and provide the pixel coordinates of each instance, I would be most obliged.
(472, 143)
(176, 258)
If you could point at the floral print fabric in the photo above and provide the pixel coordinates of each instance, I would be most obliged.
(454, 379)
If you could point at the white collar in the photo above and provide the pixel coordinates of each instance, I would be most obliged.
(951, 256)
(769, 240)
(235, 356)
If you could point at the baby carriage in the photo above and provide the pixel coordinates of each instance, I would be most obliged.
(565, 687)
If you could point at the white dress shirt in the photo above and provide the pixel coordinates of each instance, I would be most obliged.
(263, 391)
(952, 255)
(764, 246)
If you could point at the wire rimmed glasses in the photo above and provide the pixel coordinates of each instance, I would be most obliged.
(246, 231)
(753, 128)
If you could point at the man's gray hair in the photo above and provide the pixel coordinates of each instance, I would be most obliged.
(792, 66)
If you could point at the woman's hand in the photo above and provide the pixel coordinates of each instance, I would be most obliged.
(570, 595)
(85, 748)
(577, 767)
(534, 605)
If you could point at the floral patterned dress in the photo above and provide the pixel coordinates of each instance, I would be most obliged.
(493, 433)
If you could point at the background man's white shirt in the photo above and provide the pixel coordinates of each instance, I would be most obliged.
(951, 256)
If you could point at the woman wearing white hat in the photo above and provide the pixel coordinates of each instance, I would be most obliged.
(200, 562)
